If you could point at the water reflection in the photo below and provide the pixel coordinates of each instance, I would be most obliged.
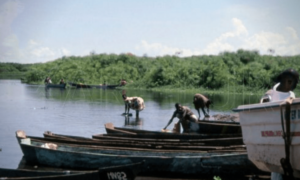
(163, 100)
(47, 92)
(133, 121)
(83, 112)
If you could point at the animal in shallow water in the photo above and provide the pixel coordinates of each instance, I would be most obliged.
(135, 103)
(201, 101)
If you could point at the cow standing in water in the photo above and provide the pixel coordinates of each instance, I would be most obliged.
(135, 103)
(200, 101)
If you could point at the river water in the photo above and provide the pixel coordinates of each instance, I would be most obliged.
(83, 112)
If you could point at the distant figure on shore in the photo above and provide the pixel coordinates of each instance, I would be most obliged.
(135, 103)
(200, 101)
(62, 81)
(48, 80)
(185, 116)
(123, 82)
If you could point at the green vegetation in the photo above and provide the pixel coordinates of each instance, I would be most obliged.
(13, 70)
(217, 178)
(236, 72)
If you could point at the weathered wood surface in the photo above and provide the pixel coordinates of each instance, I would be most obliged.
(202, 144)
(23, 174)
(78, 85)
(119, 172)
(88, 157)
(216, 127)
(139, 133)
(210, 141)
(200, 127)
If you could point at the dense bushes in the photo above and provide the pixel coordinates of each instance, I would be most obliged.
(241, 68)
(13, 70)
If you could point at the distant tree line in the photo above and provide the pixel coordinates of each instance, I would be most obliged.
(13, 70)
(13, 67)
(228, 69)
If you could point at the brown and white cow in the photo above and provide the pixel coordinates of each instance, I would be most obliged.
(135, 103)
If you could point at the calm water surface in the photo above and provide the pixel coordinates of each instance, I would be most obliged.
(84, 112)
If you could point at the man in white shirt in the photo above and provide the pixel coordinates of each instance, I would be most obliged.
(286, 83)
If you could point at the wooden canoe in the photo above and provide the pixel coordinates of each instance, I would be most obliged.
(24, 174)
(163, 144)
(91, 157)
(201, 127)
(62, 86)
(216, 127)
(79, 85)
(128, 132)
(105, 86)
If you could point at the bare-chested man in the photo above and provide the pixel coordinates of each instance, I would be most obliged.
(185, 116)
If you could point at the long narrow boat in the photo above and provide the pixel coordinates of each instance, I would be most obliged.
(56, 86)
(202, 127)
(128, 132)
(216, 127)
(103, 138)
(24, 174)
(168, 144)
(271, 132)
(90, 157)
(149, 148)
(105, 86)
(80, 85)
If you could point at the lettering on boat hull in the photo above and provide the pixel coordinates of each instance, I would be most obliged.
(276, 133)
(116, 176)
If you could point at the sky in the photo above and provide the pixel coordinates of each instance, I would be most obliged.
(34, 31)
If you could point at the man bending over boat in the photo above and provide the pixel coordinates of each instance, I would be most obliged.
(185, 116)
(286, 83)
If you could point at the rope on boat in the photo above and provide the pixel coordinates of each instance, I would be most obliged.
(286, 134)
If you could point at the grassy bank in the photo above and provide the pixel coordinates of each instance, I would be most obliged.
(241, 72)
(193, 90)
(14, 75)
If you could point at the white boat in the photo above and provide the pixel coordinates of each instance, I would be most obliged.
(263, 134)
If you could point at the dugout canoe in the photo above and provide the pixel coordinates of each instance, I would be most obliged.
(149, 148)
(80, 85)
(216, 127)
(89, 157)
(23, 174)
(62, 86)
(111, 130)
(201, 127)
(163, 144)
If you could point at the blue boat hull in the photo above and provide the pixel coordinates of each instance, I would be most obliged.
(79, 157)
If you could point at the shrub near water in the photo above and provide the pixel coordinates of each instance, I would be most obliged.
(233, 71)
(12, 70)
